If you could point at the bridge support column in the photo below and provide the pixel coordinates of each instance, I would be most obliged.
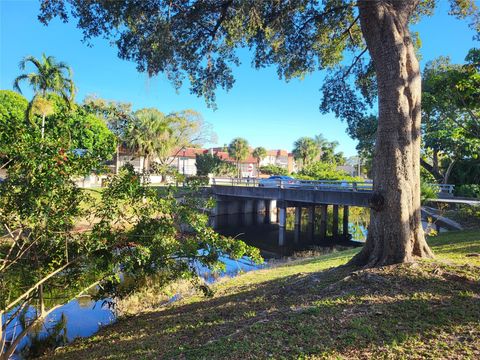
(323, 222)
(234, 207)
(222, 206)
(282, 223)
(248, 206)
(345, 222)
(259, 206)
(311, 222)
(273, 210)
(335, 222)
(298, 216)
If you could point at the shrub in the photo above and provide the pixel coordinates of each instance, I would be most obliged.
(212, 164)
(197, 180)
(273, 170)
(324, 171)
(468, 190)
(427, 192)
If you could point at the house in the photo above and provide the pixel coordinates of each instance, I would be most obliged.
(184, 160)
(281, 158)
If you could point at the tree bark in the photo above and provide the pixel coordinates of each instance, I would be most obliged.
(395, 234)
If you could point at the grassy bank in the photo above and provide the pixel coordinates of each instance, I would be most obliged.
(310, 309)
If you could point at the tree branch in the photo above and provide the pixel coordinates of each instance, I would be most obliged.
(357, 58)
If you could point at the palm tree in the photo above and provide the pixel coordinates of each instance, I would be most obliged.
(305, 149)
(49, 76)
(149, 135)
(238, 149)
(259, 153)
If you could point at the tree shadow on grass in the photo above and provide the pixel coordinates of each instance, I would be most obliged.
(402, 310)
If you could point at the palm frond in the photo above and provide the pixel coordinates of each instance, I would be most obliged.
(16, 82)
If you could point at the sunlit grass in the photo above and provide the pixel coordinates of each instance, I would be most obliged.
(313, 309)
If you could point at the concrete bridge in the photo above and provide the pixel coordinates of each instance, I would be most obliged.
(274, 201)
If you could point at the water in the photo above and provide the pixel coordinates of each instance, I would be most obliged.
(83, 317)
(256, 230)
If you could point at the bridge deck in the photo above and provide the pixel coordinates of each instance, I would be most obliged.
(296, 195)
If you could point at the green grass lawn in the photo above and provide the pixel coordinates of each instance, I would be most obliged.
(313, 309)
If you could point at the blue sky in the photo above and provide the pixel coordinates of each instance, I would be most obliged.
(261, 108)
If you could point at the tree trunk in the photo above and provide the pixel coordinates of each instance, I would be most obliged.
(43, 125)
(435, 161)
(449, 171)
(395, 234)
(436, 174)
(117, 160)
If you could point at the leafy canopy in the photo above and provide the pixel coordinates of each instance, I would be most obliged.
(305, 149)
(197, 40)
(238, 149)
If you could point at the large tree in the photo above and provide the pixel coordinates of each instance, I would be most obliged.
(305, 149)
(451, 113)
(238, 150)
(49, 76)
(149, 135)
(259, 153)
(199, 38)
(117, 115)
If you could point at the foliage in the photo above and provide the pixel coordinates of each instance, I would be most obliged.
(13, 107)
(468, 190)
(212, 164)
(116, 115)
(273, 170)
(60, 241)
(189, 129)
(426, 176)
(259, 153)
(427, 192)
(451, 110)
(327, 150)
(159, 137)
(238, 149)
(50, 76)
(466, 171)
(149, 135)
(324, 171)
(197, 180)
(305, 149)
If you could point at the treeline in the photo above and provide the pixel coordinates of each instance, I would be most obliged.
(59, 241)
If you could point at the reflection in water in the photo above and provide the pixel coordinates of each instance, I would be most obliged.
(79, 318)
(258, 230)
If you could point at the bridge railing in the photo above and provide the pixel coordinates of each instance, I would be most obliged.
(295, 184)
(444, 188)
(235, 181)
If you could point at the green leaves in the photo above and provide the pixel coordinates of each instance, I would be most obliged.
(306, 150)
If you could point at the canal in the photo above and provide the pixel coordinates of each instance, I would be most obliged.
(262, 231)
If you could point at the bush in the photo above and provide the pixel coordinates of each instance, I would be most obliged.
(324, 171)
(197, 180)
(468, 190)
(427, 192)
(273, 170)
(212, 164)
